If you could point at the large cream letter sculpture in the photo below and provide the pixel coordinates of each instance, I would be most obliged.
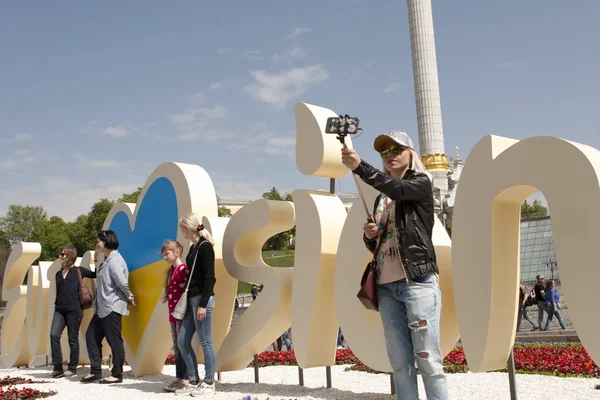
(172, 190)
(498, 175)
(37, 311)
(269, 315)
(320, 217)
(15, 348)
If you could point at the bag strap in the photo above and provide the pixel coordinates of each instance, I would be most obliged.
(79, 275)
(193, 265)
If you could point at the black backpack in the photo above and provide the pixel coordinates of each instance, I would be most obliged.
(530, 301)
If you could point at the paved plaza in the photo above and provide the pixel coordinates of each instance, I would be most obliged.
(281, 383)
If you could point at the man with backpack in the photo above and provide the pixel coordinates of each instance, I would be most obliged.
(525, 300)
(540, 298)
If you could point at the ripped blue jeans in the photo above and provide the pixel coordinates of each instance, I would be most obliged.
(411, 324)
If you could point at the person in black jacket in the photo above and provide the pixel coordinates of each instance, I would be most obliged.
(200, 303)
(407, 273)
(67, 311)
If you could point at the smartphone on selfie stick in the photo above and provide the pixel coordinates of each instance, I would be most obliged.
(343, 126)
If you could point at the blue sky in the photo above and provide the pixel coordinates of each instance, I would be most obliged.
(95, 95)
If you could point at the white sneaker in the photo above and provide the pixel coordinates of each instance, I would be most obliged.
(203, 389)
(187, 390)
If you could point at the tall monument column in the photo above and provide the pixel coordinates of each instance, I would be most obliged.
(427, 92)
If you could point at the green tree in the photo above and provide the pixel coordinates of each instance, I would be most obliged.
(4, 239)
(20, 222)
(52, 234)
(78, 235)
(130, 197)
(222, 210)
(95, 220)
(278, 241)
(533, 210)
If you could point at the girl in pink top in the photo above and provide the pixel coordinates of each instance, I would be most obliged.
(175, 282)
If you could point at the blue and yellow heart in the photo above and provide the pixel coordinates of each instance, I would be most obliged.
(156, 221)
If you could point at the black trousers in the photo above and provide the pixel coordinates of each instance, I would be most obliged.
(108, 327)
(72, 320)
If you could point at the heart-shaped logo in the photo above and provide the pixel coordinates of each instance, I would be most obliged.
(171, 191)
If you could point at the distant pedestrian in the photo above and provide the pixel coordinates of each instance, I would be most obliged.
(524, 302)
(540, 298)
(553, 305)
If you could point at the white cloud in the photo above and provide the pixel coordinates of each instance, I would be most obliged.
(215, 85)
(9, 164)
(183, 118)
(213, 112)
(23, 158)
(51, 191)
(223, 50)
(266, 143)
(297, 52)
(392, 87)
(506, 64)
(117, 131)
(297, 33)
(89, 128)
(253, 54)
(23, 137)
(280, 88)
(211, 136)
(21, 152)
(292, 53)
(85, 163)
(239, 187)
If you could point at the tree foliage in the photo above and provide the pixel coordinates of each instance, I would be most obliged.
(130, 197)
(53, 234)
(533, 210)
(280, 240)
(222, 210)
(21, 221)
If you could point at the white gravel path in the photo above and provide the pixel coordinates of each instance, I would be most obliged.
(281, 383)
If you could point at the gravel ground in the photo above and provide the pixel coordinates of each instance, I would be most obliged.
(281, 383)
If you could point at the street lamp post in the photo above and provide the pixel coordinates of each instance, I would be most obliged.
(551, 264)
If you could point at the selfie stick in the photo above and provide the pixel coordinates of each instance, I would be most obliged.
(369, 220)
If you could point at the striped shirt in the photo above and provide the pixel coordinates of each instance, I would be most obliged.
(112, 287)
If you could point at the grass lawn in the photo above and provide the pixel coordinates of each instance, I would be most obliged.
(281, 258)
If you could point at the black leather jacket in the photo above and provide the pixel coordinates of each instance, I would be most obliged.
(414, 216)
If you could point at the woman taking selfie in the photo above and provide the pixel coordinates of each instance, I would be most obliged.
(67, 311)
(407, 274)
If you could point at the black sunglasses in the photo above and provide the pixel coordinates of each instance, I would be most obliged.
(392, 150)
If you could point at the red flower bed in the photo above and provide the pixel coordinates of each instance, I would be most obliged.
(560, 360)
(12, 393)
(557, 359)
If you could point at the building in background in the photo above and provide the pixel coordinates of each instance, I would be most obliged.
(538, 255)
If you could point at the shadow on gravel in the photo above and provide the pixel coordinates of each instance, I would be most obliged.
(277, 391)
(146, 384)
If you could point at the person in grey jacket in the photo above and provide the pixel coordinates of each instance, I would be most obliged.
(112, 300)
